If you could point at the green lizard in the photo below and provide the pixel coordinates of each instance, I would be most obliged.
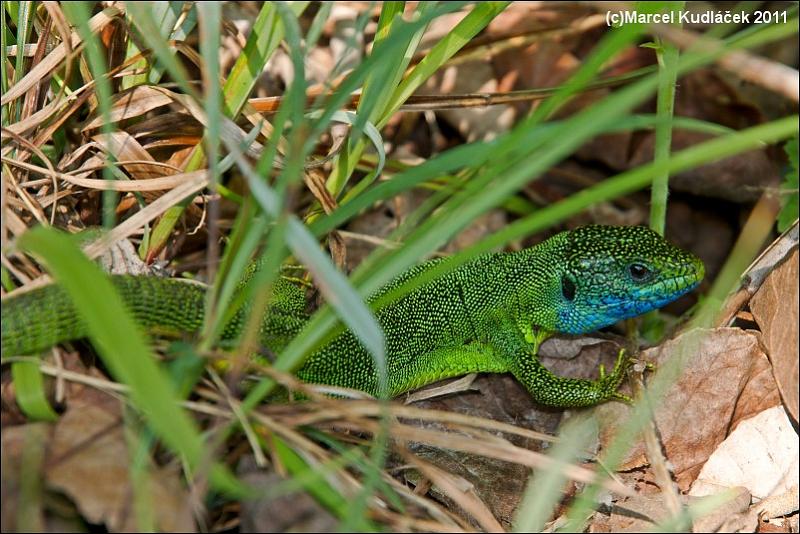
(488, 315)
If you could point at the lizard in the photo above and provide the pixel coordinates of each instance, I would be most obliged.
(487, 315)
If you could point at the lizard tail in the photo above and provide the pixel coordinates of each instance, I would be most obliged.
(38, 319)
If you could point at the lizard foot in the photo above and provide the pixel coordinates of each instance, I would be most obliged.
(608, 384)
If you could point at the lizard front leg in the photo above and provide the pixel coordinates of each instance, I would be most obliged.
(548, 388)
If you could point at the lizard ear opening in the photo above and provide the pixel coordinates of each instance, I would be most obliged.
(567, 288)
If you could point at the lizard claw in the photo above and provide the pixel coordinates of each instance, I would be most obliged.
(622, 398)
(609, 383)
(621, 366)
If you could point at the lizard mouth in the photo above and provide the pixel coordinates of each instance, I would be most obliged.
(671, 287)
(678, 285)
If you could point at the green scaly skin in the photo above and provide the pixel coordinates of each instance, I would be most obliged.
(488, 315)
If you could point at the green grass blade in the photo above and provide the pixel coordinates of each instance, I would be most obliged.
(318, 24)
(318, 488)
(376, 82)
(374, 135)
(79, 14)
(354, 456)
(164, 15)
(140, 444)
(30, 393)
(474, 155)
(295, 102)
(341, 296)
(332, 283)
(477, 19)
(267, 34)
(393, 45)
(609, 45)
(23, 22)
(450, 161)
(374, 96)
(545, 486)
(29, 509)
(148, 28)
(210, 18)
(698, 509)
(667, 55)
(789, 188)
(376, 104)
(4, 42)
(245, 237)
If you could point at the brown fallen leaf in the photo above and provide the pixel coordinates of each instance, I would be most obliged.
(759, 392)
(293, 512)
(761, 455)
(21, 501)
(775, 310)
(644, 513)
(472, 123)
(697, 410)
(124, 147)
(83, 471)
(131, 103)
(89, 460)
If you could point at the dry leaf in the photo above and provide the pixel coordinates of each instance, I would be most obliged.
(124, 147)
(775, 310)
(643, 513)
(472, 123)
(132, 103)
(295, 512)
(760, 455)
(89, 460)
(759, 393)
(22, 511)
(697, 410)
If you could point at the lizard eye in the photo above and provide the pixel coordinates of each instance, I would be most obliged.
(568, 288)
(639, 272)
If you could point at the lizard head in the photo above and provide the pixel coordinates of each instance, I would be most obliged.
(610, 273)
